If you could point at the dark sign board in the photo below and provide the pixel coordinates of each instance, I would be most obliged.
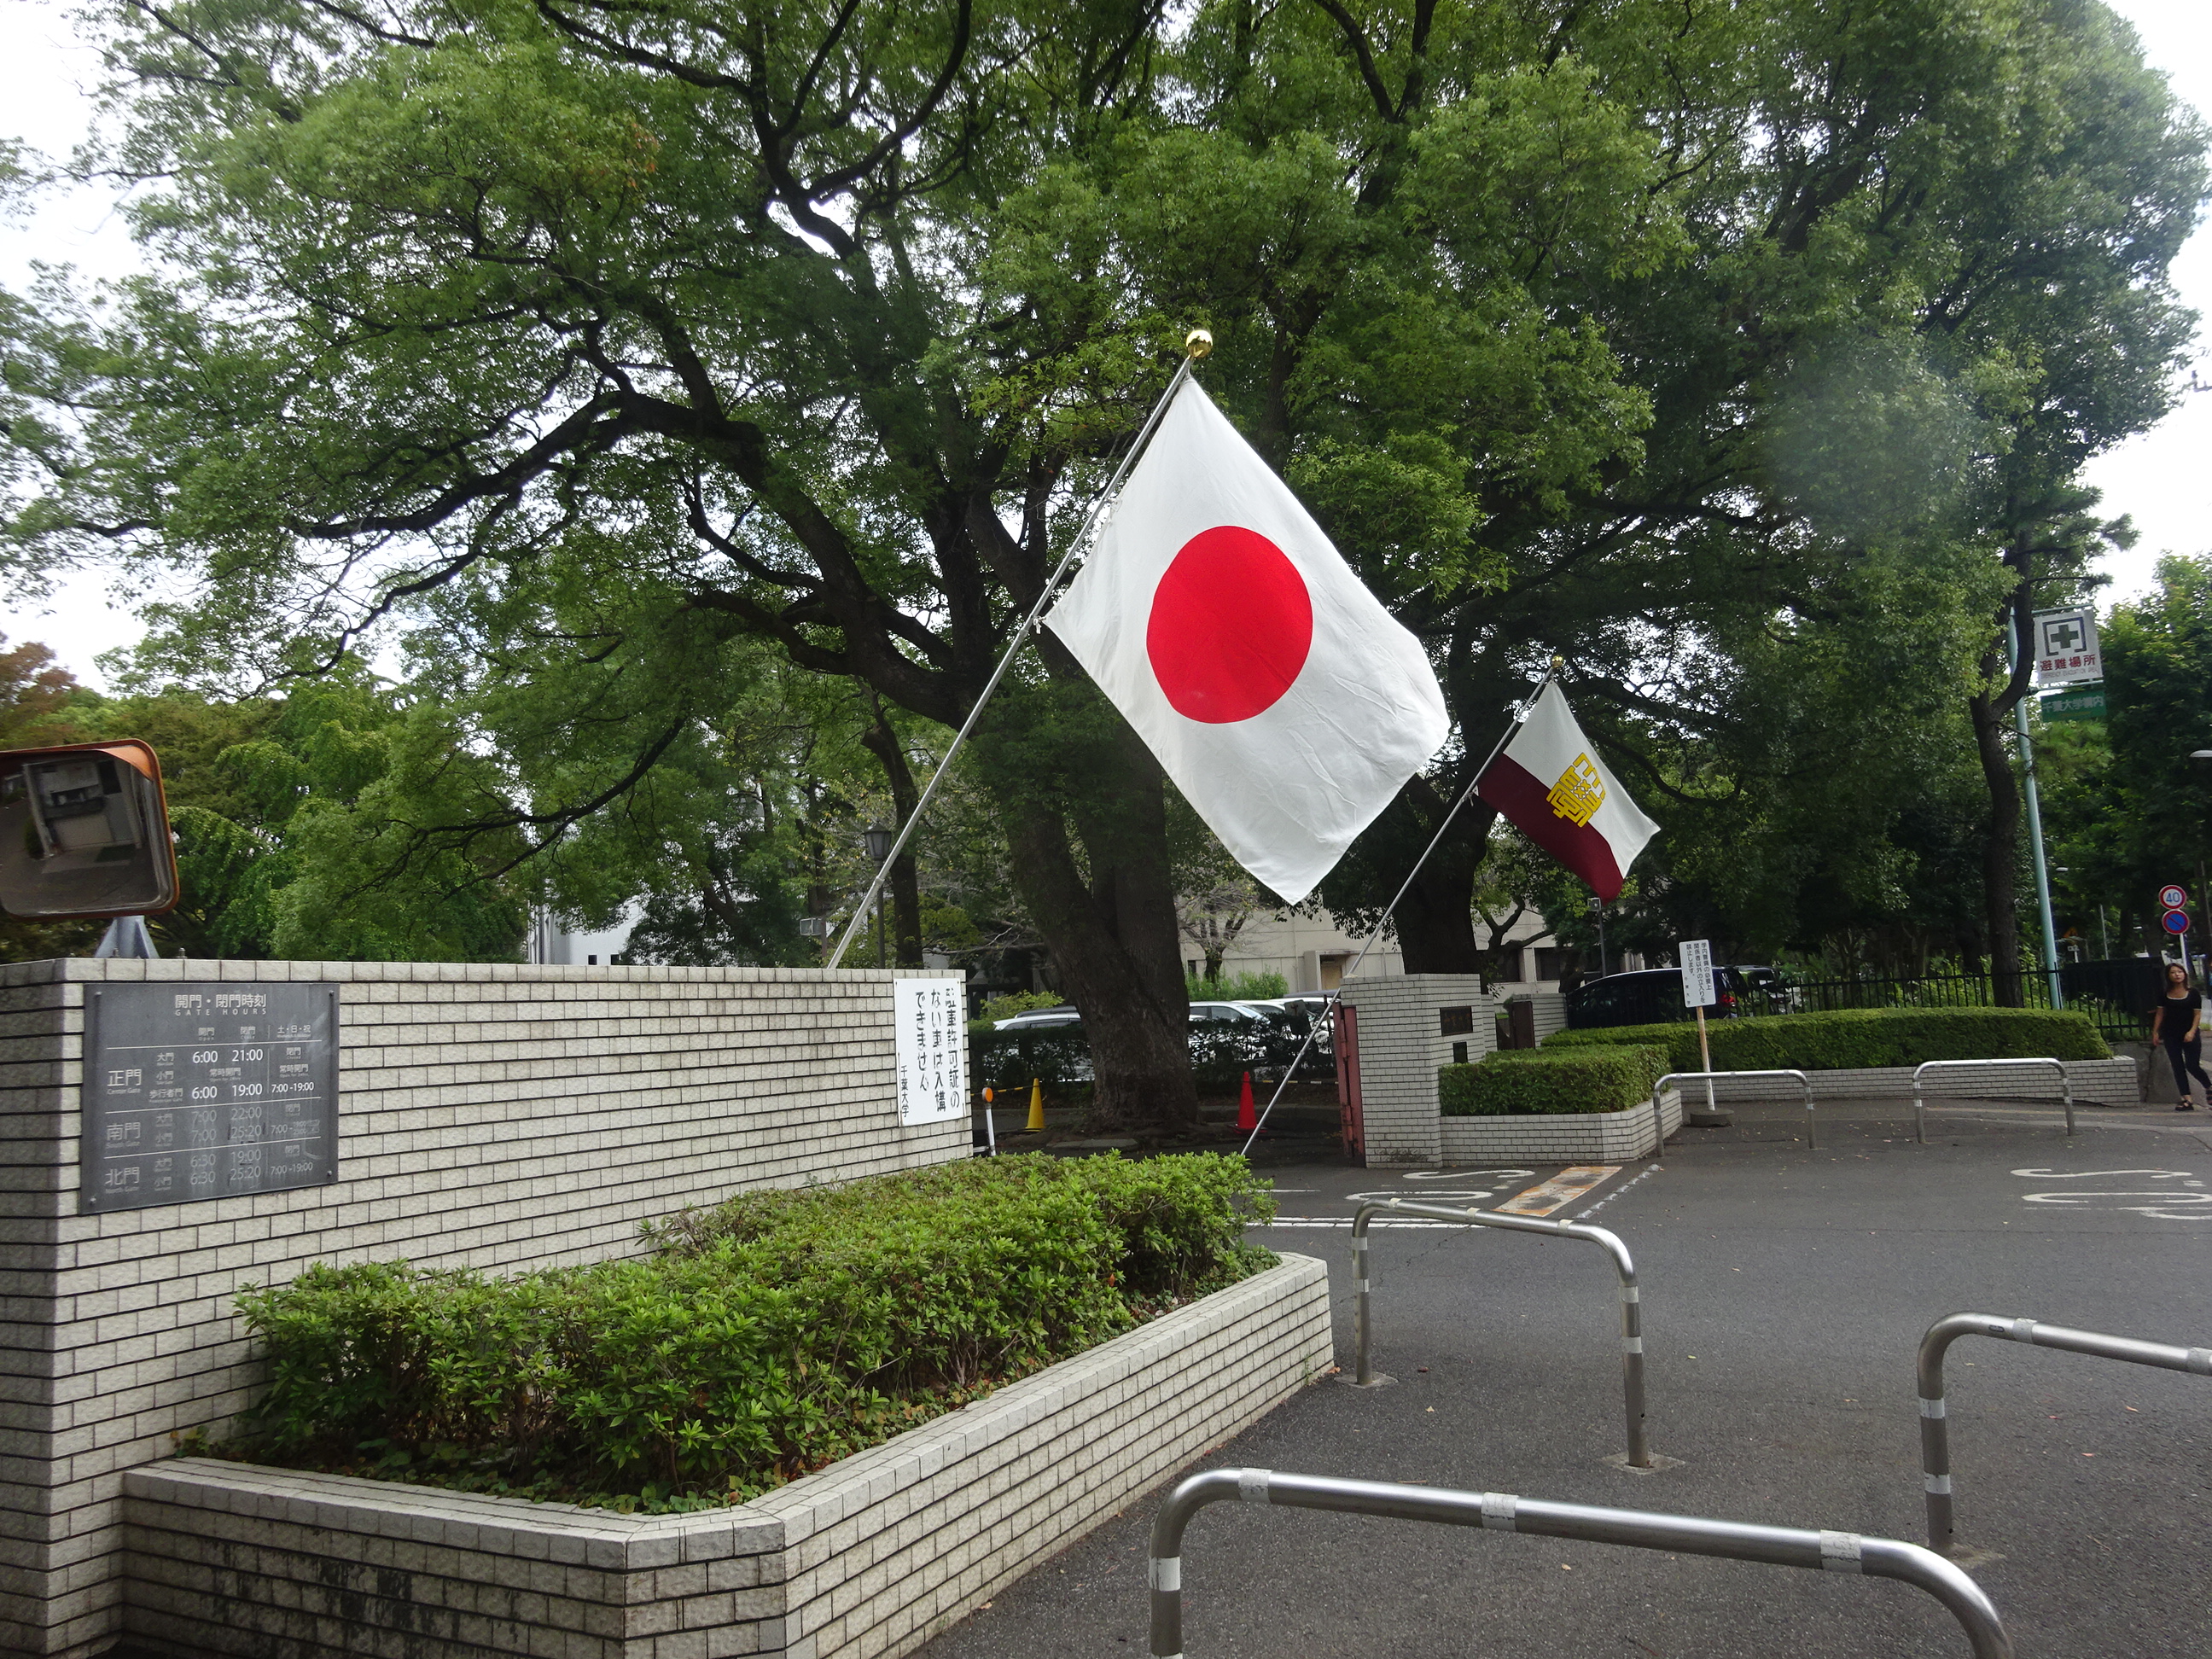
(206, 1091)
(2084, 702)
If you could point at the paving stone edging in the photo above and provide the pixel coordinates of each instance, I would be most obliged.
(866, 1560)
(1564, 1136)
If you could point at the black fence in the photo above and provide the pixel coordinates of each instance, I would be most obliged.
(2116, 995)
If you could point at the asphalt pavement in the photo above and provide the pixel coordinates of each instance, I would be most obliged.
(1784, 1291)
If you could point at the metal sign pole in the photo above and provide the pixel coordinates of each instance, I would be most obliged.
(2035, 833)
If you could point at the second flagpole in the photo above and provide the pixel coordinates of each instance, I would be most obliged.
(1404, 887)
(1195, 345)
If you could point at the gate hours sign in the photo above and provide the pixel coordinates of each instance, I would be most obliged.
(931, 1043)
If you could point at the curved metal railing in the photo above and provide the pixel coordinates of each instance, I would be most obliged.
(1679, 1535)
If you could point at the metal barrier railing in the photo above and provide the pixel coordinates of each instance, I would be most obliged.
(1681, 1534)
(1934, 1436)
(1812, 1125)
(1631, 1326)
(1920, 1106)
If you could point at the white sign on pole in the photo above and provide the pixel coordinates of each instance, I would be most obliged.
(2066, 646)
(931, 1043)
(1696, 956)
(2173, 898)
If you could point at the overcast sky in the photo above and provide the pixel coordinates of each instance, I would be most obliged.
(2162, 479)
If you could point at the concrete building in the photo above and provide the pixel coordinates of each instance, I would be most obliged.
(1312, 953)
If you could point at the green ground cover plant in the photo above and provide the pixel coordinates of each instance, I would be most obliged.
(757, 1341)
(1553, 1081)
(1852, 1037)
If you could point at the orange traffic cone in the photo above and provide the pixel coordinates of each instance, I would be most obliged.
(1246, 1119)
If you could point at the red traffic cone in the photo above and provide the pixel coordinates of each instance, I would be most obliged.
(1246, 1119)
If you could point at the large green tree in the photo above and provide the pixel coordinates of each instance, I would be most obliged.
(1619, 329)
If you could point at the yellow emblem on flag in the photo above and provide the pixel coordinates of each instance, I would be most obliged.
(1579, 792)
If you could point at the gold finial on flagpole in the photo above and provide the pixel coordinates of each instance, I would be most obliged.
(1197, 343)
(1557, 663)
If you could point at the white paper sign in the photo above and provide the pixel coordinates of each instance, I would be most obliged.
(931, 1046)
(1696, 956)
(2066, 647)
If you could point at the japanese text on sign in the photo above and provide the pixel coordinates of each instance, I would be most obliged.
(931, 1044)
(207, 1091)
(1696, 958)
(2066, 648)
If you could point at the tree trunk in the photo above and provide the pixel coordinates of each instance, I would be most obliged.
(2000, 850)
(1113, 935)
(1991, 709)
(881, 742)
(1435, 920)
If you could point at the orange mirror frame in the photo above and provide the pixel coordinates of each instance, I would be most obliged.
(84, 832)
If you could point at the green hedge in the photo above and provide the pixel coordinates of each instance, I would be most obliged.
(761, 1340)
(1852, 1037)
(1589, 1079)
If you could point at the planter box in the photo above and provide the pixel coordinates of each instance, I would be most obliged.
(870, 1556)
(1561, 1138)
(2094, 1082)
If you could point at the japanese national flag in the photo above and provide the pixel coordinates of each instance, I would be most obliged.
(1276, 691)
(1552, 788)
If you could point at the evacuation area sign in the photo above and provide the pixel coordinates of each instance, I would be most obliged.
(2066, 646)
(1696, 956)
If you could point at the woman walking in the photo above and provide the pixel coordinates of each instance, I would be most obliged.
(2174, 1023)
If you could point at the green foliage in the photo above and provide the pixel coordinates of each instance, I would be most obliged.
(1237, 988)
(1554, 1082)
(1018, 1002)
(1854, 1037)
(761, 1339)
(2129, 812)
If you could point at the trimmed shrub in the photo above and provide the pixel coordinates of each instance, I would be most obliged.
(1849, 1038)
(1611, 1077)
(762, 1340)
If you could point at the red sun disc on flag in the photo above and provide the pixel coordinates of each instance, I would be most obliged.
(1230, 628)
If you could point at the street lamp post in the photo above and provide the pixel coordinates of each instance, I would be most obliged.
(879, 842)
(2202, 760)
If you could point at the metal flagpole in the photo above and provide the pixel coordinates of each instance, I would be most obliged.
(2035, 832)
(1519, 714)
(1195, 345)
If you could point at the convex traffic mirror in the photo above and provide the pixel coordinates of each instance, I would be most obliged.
(84, 832)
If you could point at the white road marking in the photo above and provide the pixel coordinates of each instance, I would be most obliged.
(1649, 1170)
(1425, 1196)
(1470, 1174)
(2186, 1201)
(2084, 1174)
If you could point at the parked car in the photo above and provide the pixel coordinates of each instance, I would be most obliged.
(1226, 1012)
(1770, 993)
(1067, 1014)
(1653, 996)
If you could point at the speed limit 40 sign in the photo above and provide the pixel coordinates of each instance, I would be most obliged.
(2172, 897)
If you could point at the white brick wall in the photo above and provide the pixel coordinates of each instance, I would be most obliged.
(1401, 1047)
(866, 1560)
(1565, 1138)
(492, 1116)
